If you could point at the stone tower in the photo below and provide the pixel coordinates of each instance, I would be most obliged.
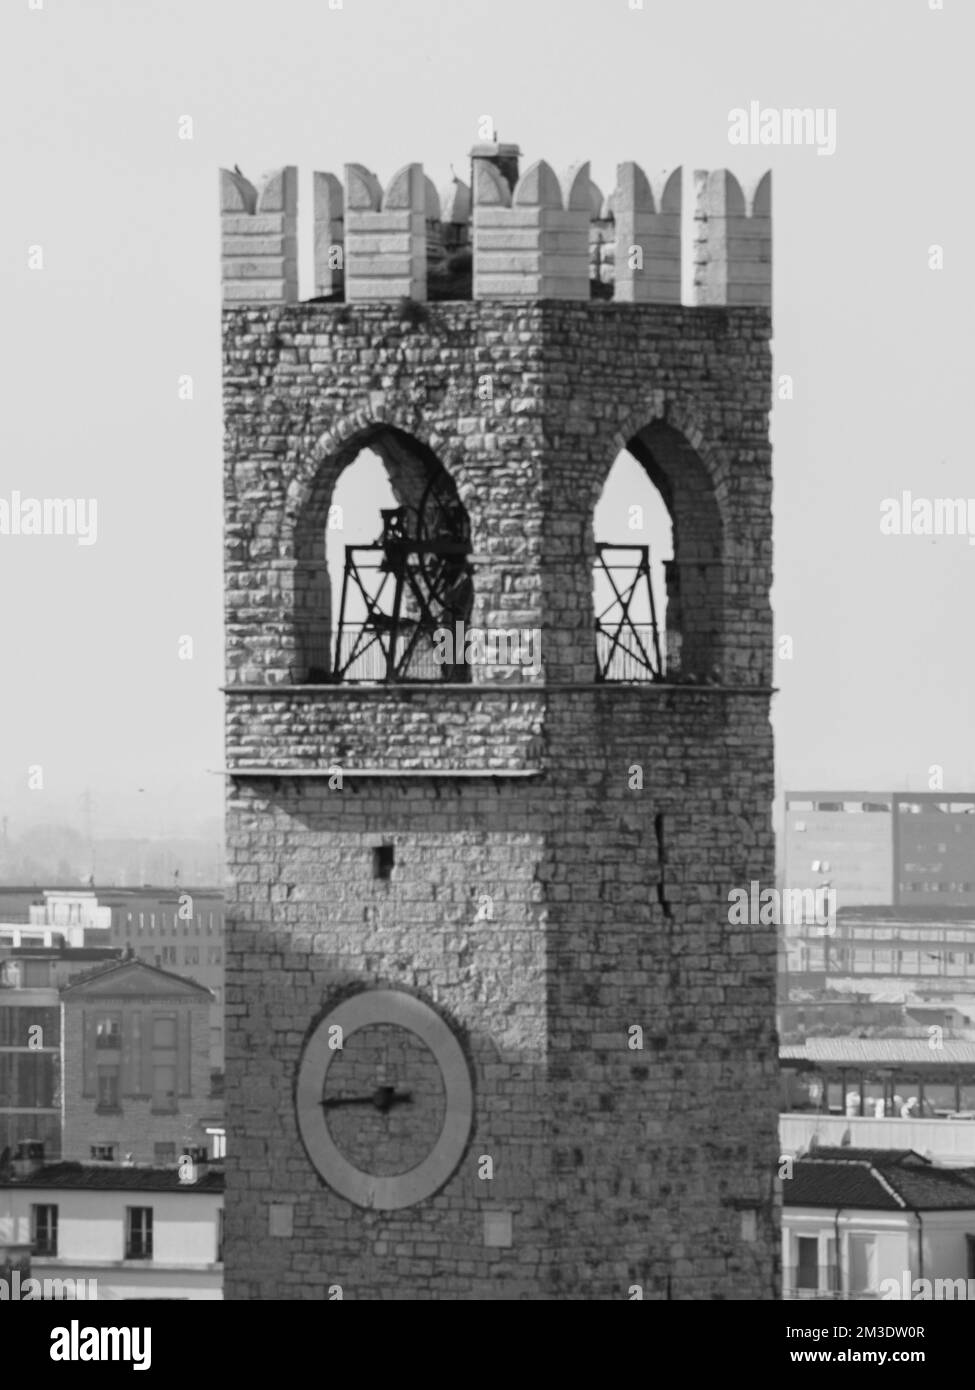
(490, 1031)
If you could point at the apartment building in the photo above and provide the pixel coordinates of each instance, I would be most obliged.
(112, 1232)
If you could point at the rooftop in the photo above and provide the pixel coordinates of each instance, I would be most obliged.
(128, 968)
(874, 1051)
(106, 1177)
(878, 1180)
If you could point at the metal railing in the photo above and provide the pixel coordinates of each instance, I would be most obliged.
(797, 1284)
(366, 655)
(623, 653)
(626, 653)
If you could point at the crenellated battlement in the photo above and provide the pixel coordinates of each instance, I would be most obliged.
(260, 237)
(732, 240)
(505, 235)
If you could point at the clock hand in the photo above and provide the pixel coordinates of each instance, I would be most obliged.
(383, 1098)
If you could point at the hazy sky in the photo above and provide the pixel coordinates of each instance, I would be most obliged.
(128, 299)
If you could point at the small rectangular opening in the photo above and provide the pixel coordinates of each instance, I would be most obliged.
(382, 861)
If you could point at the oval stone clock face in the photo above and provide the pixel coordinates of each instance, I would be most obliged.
(385, 1118)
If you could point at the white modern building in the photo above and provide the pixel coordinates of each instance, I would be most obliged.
(138, 1233)
(877, 1224)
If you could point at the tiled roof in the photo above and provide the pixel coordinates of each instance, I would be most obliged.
(66, 953)
(115, 1177)
(878, 1180)
(880, 1158)
(880, 1050)
(838, 1185)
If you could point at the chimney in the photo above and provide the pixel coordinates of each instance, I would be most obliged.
(194, 1164)
(503, 157)
(29, 1158)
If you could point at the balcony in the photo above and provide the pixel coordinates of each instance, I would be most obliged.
(951, 1142)
(821, 1284)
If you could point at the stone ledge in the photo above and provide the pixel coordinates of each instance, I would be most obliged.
(387, 772)
(496, 688)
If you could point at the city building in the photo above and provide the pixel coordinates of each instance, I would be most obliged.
(113, 1232)
(934, 850)
(137, 1081)
(926, 951)
(176, 929)
(840, 839)
(180, 930)
(35, 962)
(880, 1093)
(860, 1223)
(895, 849)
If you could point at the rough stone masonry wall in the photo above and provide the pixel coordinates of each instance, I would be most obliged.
(571, 385)
(608, 901)
(620, 1167)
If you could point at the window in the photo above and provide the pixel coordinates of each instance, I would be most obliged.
(169, 955)
(108, 1031)
(807, 1265)
(103, 1153)
(191, 955)
(138, 1233)
(220, 1236)
(164, 1087)
(164, 1153)
(164, 1032)
(862, 1253)
(214, 955)
(383, 857)
(44, 1230)
(108, 1084)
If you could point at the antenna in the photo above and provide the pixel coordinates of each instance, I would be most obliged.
(87, 805)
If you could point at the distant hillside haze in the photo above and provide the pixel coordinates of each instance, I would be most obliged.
(59, 856)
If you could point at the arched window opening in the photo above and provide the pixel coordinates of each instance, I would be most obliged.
(388, 553)
(634, 547)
